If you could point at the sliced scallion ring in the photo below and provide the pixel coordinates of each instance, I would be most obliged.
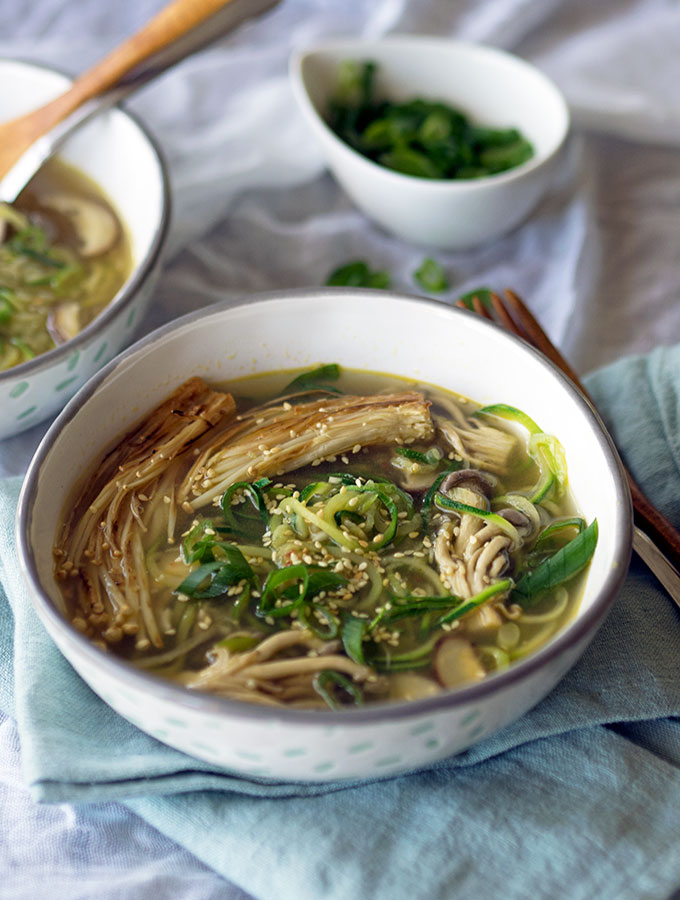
(327, 679)
(275, 587)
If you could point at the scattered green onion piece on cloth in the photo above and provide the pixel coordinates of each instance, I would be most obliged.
(483, 294)
(431, 276)
(358, 274)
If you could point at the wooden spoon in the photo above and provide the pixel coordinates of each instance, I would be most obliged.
(134, 62)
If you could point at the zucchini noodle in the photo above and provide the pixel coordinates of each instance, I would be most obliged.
(560, 598)
(418, 566)
(539, 638)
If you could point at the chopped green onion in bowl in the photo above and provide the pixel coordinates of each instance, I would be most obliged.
(420, 137)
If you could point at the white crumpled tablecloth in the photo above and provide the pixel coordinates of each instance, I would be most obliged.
(254, 210)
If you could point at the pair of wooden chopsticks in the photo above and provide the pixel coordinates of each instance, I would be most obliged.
(514, 315)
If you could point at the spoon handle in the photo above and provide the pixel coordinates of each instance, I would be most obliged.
(168, 25)
(178, 30)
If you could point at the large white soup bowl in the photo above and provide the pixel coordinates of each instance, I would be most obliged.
(371, 330)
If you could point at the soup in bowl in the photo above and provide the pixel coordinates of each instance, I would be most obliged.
(329, 556)
(64, 255)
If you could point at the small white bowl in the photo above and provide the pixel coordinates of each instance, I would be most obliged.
(374, 330)
(493, 87)
(119, 155)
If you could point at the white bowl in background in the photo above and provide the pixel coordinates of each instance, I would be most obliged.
(491, 86)
(371, 330)
(116, 152)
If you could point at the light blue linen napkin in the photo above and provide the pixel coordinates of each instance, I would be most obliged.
(583, 791)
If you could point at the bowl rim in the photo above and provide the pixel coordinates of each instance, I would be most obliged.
(452, 185)
(582, 628)
(128, 290)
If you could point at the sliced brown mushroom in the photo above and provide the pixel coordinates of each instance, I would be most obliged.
(471, 478)
(456, 662)
(10, 218)
(63, 323)
(411, 686)
(95, 226)
(517, 518)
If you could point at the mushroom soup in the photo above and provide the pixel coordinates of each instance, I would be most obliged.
(324, 540)
(64, 255)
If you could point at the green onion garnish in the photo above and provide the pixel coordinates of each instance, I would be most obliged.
(314, 380)
(353, 630)
(275, 587)
(558, 568)
(251, 492)
(358, 274)
(214, 578)
(325, 681)
(482, 294)
(431, 276)
(309, 616)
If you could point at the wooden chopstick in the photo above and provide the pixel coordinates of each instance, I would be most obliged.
(519, 319)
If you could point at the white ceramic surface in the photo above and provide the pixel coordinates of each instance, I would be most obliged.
(372, 330)
(491, 86)
(116, 152)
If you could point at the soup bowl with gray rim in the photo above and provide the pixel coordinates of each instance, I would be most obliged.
(379, 331)
(116, 152)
